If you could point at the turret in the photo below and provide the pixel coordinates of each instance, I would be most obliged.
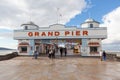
(90, 23)
(30, 26)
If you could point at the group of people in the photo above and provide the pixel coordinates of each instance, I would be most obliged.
(51, 52)
(63, 50)
(102, 55)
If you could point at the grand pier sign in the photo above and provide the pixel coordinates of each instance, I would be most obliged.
(57, 33)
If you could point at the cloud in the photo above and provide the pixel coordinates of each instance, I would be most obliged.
(112, 21)
(6, 35)
(13, 13)
(42, 12)
(10, 43)
(9, 11)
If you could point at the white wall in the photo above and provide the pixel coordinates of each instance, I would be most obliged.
(87, 25)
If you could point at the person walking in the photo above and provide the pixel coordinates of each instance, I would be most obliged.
(36, 54)
(61, 51)
(65, 51)
(53, 55)
(104, 55)
(49, 53)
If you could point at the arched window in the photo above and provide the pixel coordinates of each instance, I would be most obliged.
(91, 25)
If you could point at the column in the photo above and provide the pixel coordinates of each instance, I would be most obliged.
(84, 48)
(32, 46)
(100, 45)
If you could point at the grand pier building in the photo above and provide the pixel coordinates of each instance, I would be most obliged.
(86, 40)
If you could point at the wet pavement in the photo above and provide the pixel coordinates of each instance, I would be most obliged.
(65, 68)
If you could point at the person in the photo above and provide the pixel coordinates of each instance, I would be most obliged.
(46, 49)
(36, 54)
(104, 55)
(50, 53)
(65, 51)
(100, 55)
(53, 54)
(61, 51)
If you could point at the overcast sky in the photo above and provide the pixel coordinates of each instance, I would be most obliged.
(13, 13)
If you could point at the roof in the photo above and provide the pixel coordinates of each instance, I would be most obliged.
(30, 23)
(23, 43)
(90, 20)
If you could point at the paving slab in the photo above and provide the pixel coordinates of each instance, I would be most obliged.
(65, 68)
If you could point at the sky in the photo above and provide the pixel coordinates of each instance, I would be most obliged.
(13, 13)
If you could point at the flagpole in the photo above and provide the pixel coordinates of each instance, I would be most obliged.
(58, 15)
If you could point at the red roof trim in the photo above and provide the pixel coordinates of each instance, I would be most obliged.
(93, 43)
(23, 43)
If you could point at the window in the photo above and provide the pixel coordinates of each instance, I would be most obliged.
(24, 49)
(91, 25)
(93, 49)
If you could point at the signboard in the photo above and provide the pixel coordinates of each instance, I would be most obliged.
(60, 34)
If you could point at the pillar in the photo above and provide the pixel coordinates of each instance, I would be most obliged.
(84, 48)
(32, 46)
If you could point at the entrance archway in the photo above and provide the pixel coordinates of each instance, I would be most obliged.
(73, 46)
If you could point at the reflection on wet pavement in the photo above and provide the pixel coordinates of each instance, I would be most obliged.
(26, 68)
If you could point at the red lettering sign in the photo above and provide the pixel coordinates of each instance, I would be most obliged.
(72, 33)
(50, 33)
(57, 33)
(85, 33)
(43, 34)
(67, 33)
(77, 33)
(30, 34)
(36, 33)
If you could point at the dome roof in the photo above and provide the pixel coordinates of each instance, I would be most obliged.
(30, 23)
(89, 20)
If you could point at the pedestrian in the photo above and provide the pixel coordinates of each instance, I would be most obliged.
(36, 54)
(100, 55)
(61, 51)
(46, 49)
(65, 51)
(50, 53)
(104, 55)
(53, 55)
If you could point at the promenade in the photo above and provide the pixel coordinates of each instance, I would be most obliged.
(65, 68)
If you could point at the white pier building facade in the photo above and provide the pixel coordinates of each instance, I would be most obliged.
(86, 40)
